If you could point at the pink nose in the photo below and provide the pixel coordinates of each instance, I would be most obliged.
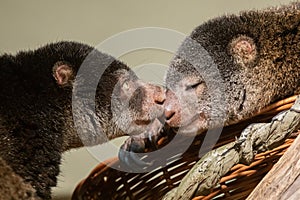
(169, 113)
(159, 96)
(172, 109)
(148, 95)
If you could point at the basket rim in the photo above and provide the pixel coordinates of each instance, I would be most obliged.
(274, 108)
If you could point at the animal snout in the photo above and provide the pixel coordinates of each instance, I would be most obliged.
(148, 100)
(159, 95)
(172, 110)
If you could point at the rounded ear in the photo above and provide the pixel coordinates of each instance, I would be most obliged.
(243, 49)
(63, 73)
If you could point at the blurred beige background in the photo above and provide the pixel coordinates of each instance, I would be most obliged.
(32, 23)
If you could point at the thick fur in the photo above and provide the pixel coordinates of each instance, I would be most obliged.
(36, 116)
(12, 186)
(251, 83)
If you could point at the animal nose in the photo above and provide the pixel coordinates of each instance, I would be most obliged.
(172, 109)
(169, 113)
(159, 95)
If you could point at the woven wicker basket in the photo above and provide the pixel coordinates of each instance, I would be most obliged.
(106, 183)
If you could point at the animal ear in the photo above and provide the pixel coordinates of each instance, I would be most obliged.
(243, 49)
(63, 73)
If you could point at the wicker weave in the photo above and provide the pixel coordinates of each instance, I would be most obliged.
(106, 183)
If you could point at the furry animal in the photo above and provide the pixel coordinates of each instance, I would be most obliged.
(253, 56)
(226, 70)
(36, 117)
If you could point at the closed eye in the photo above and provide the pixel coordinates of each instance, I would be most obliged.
(194, 86)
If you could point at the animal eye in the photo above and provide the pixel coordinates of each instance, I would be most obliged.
(194, 86)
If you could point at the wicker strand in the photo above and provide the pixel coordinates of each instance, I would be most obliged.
(105, 182)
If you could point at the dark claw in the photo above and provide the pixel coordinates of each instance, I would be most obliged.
(130, 161)
(128, 153)
(131, 152)
(154, 134)
(135, 143)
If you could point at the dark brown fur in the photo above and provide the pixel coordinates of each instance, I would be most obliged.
(257, 56)
(36, 116)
